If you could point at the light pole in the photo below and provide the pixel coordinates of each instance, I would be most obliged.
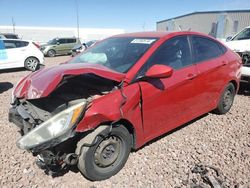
(77, 18)
(13, 25)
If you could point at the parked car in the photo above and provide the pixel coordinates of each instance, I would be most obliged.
(240, 43)
(81, 47)
(59, 46)
(15, 53)
(120, 94)
(8, 36)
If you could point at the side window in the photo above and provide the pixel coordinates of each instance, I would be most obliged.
(24, 43)
(62, 41)
(9, 44)
(243, 35)
(14, 44)
(205, 49)
(174, 52)
(71, 40)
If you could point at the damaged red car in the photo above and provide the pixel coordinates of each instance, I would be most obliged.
(118, 95)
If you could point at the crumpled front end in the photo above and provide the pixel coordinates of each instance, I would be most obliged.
(48, 124)
(245, 69)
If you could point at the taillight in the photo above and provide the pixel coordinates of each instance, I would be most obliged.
(37, 45)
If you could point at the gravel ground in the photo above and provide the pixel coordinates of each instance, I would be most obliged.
(218, 142)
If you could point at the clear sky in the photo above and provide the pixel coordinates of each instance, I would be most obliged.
(131, 15)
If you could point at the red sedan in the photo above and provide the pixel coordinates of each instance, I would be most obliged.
(118, 95)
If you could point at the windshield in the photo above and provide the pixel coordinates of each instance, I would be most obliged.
(245, 34)
(119, 54)
(54, 41)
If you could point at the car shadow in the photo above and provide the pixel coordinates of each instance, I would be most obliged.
(5, 86)
(64, 171)
(12, 70)
(244, 89)
(171, 132)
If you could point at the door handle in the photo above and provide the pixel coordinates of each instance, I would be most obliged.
(224, 63)
(191, 76)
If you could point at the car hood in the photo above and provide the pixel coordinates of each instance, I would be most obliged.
(44, 45)
(238, 46)
(41, 83)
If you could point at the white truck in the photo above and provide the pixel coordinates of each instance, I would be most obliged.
(240, 43)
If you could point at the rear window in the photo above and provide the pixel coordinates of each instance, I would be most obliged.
(14, 44)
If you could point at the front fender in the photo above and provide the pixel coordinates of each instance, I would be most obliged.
(114, 107)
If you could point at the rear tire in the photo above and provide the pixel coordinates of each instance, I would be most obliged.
(51, 53)
(106, 156)
(31, 63)
(226, 100)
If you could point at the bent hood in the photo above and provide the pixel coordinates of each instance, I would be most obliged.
(41, 83)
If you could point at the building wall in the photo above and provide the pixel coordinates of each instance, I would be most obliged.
(44, 34)
(204, 22)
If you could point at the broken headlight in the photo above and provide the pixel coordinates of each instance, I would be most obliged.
(56, 127)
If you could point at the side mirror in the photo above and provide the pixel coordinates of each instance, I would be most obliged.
(57, 43)
(159, 71)
(229, 38)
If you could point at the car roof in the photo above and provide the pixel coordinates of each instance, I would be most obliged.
(15, 39)
(65, 38)
(157, 34)
(8, 34)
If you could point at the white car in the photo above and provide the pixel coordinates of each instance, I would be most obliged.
(15, 53)
(240, 43)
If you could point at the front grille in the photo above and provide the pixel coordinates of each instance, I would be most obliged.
(245, 58)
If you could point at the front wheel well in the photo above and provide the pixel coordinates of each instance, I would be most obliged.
(31, 57)
(129, 126)
(235, 84)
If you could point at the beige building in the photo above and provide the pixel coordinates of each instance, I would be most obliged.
(219, 24)
(44, 34)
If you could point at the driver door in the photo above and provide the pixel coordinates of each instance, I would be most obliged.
(169, 102)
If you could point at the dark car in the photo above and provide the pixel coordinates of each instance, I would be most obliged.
(8, 36)
(81, 47)
(120, 94)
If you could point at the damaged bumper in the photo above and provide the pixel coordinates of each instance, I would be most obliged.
(53, 141)
(15, 118)
(50, 133)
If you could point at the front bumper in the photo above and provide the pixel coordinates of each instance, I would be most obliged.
(52, 156)
(23, 120)
(245, 74)
(15, 118)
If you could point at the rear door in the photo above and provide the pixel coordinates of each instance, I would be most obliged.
(70, 44)
(15, 51)
(3, 55)
(169, 102)
(211, 66)
(62, 47)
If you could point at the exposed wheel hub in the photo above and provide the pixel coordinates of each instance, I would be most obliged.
(227, 99)
(107, 152)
